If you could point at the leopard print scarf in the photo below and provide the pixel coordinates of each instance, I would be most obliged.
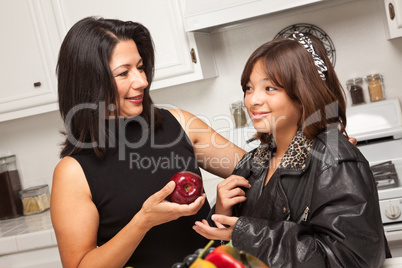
(295, 156)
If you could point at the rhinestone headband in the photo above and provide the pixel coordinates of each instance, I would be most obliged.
(306, 43)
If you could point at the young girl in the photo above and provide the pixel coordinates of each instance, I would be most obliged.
(306, 196)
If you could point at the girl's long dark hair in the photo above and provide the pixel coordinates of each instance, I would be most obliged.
(86, 86)
(290, 66)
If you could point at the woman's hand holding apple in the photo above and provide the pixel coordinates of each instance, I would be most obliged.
(157, 210)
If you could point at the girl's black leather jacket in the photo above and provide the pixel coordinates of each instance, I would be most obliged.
(319, 209)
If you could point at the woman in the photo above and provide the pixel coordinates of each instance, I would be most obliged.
(311, 199)
(108, 202)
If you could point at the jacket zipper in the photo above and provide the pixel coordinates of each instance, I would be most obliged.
(305, 214)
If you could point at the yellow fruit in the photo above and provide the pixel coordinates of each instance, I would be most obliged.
(200, 263)
(252, 261)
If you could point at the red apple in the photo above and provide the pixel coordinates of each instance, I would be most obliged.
(188, 187)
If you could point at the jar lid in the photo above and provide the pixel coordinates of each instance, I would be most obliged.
(35, 190)
(8, 163)
(237, 104)
(371, 77)
(7, 159)
(353, 81)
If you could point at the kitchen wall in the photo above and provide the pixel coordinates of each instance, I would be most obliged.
(356, 28)
(35, 141)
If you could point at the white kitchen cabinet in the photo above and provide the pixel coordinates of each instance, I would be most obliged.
(29, 242)
(174, 48)
(40, 258)
(203, 15)
(28, 53)
(34, 30)
(393, 18)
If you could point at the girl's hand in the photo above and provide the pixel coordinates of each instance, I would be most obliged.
(156, 210)
(219, 233)
(229, 194)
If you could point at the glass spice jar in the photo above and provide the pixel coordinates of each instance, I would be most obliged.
(375, 87)
(237, 109)
(356, 90)
(10, 185)
(35, 199)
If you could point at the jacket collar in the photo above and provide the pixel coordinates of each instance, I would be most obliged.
(295, 157)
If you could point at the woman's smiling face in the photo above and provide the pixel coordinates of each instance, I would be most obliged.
(128, 71)
(269, 106)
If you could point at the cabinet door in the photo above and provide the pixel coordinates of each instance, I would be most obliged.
(393, 18)
(47, 257)
(201, 15)
(28, 54)
(163, 18)
(32, 32)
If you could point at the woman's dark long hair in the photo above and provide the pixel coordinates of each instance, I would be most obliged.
(86, 86)
(290, 66)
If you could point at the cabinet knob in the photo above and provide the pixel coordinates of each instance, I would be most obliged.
(37, 84)
(391, 11)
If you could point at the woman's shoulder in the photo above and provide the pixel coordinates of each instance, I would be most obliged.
(68, 176)
(67, 166)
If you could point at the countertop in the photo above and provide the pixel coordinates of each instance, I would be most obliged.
(35, 231)
(26, 233)
(392, 263)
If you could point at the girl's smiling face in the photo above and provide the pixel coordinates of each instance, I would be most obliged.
(269, 106)
(128, 71)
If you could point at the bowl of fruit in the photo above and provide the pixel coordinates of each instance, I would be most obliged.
(224, 256)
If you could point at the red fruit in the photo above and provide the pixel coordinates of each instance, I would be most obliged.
(223, 259)
(188, 187)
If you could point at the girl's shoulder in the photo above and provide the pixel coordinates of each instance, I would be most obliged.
(333, 147)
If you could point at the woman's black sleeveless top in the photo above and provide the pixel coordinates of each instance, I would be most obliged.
(141, 164)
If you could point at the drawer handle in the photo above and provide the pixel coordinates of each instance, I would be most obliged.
(37, 84)
(193, 56)
(391, 11)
